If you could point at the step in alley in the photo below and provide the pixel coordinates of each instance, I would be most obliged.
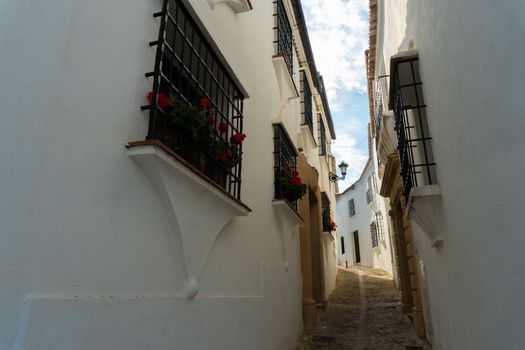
(364, 313)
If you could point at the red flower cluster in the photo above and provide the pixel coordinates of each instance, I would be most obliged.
(162, 100)
(223, 128)
(296, 180)
(206, 103)
(237, 139)
(224, 156)
(332, 225)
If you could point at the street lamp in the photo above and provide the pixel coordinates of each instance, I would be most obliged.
(343, 167)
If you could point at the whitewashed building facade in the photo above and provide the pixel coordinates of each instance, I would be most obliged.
(449, 80)
(363, 232)
(119, 234)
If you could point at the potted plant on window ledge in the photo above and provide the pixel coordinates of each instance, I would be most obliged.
(195, 136)
(291, 185)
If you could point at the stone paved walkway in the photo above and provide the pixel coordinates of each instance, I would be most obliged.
(364, 313)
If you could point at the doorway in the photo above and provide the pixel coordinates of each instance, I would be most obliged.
(356, 247)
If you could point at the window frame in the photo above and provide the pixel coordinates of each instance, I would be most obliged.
(189, 67)
(351, 207)
(411, 122)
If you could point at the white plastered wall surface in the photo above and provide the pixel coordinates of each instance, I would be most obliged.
(87, 256)
(377, 257)
(472, 74)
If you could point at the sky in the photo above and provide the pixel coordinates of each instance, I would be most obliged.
(338, 31)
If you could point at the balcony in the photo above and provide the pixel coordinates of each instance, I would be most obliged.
(283, 40)
(195, 105)
(369, 196)
(418, 167)
(288, 186)
(306, 103)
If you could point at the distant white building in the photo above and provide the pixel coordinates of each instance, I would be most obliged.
(363, 232)
(140, 223)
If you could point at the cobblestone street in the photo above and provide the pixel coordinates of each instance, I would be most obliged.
(364, 313)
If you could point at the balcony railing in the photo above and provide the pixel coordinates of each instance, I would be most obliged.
(322, 136)
(379, 226)
(414, 141)
(369, 196)
(283, 41)
(378, 110)
(306, 103)
(373, 233)
(325, 209)
(204, 113)
(284, 161)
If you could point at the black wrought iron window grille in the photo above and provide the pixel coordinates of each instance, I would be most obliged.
(351, 208)
(187, 70)
(306, 103)
(283, 39)
(285, 160)
(378, 110)
(379, 226)
(322, 136)
(373, 232)
(414, 141)
(369, 196)
(325, 211)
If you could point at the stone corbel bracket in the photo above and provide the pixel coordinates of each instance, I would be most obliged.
(287, 219)
(238, 6)
(196, 209)
(287, 86)
(425, 208)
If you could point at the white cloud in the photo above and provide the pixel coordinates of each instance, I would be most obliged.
(338, 32)
(347, 148)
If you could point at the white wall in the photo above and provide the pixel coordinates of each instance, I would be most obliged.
(377, 257)
(471, 63)
(87, 258)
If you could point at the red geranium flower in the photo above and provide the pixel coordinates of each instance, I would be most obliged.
(237, 138)
(211, 120)
(223, 127)
(206, 103)
(162, 100)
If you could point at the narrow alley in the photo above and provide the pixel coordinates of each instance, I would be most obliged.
(364, 312)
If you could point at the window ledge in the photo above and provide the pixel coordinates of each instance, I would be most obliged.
(425, 208)
(285, 207)
(306, 134)
(287, 86)
(196, 208)
(238, 6)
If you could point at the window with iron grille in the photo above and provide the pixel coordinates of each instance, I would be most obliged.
(351, 207)
(322, 136)
(306, 103)
(373, 232)
(342, 245)
(187, 70)
(414, 141)
(379, 221)
(284, 159)
(283, 41)
(325, 209)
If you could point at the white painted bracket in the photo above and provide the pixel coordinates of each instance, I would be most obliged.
(238, 6)
(287, 219)
(286, 84)
(196, 210)
(425, 208)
